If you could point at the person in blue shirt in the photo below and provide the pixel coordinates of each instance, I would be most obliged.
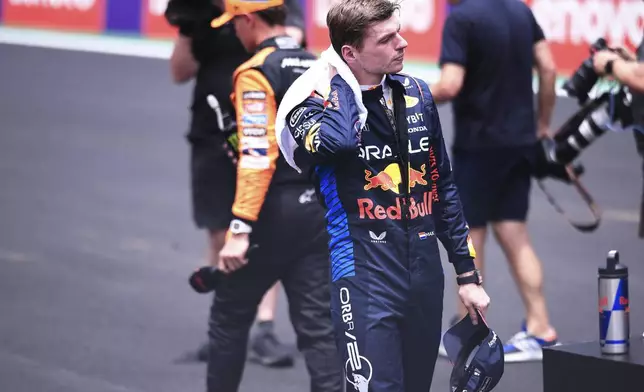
(488, 53)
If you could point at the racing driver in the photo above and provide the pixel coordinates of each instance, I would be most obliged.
(389, 193)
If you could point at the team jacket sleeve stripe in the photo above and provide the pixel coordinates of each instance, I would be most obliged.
(340, 241)
(258, 150)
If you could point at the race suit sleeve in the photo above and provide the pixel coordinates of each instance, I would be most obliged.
(255, 108)
(327, 129)
(451, 227)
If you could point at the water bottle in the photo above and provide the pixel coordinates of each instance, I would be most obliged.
(614, 327)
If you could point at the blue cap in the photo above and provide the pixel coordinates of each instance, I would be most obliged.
(476, 352)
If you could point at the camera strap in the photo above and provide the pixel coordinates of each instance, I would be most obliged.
(584, 227)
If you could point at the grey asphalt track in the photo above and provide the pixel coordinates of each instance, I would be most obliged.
(96, 240)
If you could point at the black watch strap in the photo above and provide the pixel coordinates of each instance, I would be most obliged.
(474, 278)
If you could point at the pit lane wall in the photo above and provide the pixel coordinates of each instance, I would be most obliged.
(570, 25)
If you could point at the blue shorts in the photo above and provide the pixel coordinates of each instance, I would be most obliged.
(493, 184)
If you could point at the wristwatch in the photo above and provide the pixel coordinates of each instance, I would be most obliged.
(238, 226)
(474, 277)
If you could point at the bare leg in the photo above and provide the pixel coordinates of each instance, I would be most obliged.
(528, 275)
(266, 311)
(478, 235)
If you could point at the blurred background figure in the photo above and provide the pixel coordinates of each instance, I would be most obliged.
(270, 211)
(488, 52)
(209, 57)
(628, 69)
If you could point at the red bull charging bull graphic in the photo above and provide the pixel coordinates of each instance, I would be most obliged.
(390, 179)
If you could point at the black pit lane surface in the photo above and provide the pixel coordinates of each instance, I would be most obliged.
(97, 241)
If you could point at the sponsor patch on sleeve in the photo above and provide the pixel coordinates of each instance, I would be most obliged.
(255, 132)
(255, 107)
(254, 162)
(303, 128)
(254, 119)
(254, 95)
(333, 101)
(312, 140)
(255, 152)
(295, 117)
(255, 142)
(254, 146)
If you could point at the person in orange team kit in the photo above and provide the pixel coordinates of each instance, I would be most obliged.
(209, 57)
(275, 208)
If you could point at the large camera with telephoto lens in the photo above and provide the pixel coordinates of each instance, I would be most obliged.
(585, 77)
(593, 120)
(609, 110)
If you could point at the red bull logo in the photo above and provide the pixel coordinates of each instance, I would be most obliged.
(417, 177)
(369, 210)
(390, 178)
(605, 306)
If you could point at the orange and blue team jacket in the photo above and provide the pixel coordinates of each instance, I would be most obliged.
(258, 87)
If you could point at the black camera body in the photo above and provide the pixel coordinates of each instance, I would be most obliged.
(593, 119)
(587, 125)
(585, 77)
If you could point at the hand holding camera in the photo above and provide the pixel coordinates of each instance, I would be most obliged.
(602, 60)
(596, 116)
(610, 110)
(598, 64)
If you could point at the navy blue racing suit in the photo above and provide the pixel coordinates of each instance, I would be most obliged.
(385, 208)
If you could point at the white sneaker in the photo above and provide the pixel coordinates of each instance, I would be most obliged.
(523, 347)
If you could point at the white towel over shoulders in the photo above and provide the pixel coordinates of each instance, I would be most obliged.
(317, 78)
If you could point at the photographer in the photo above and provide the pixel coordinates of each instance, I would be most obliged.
(629, 71)
(622, 66)
(210, 56)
